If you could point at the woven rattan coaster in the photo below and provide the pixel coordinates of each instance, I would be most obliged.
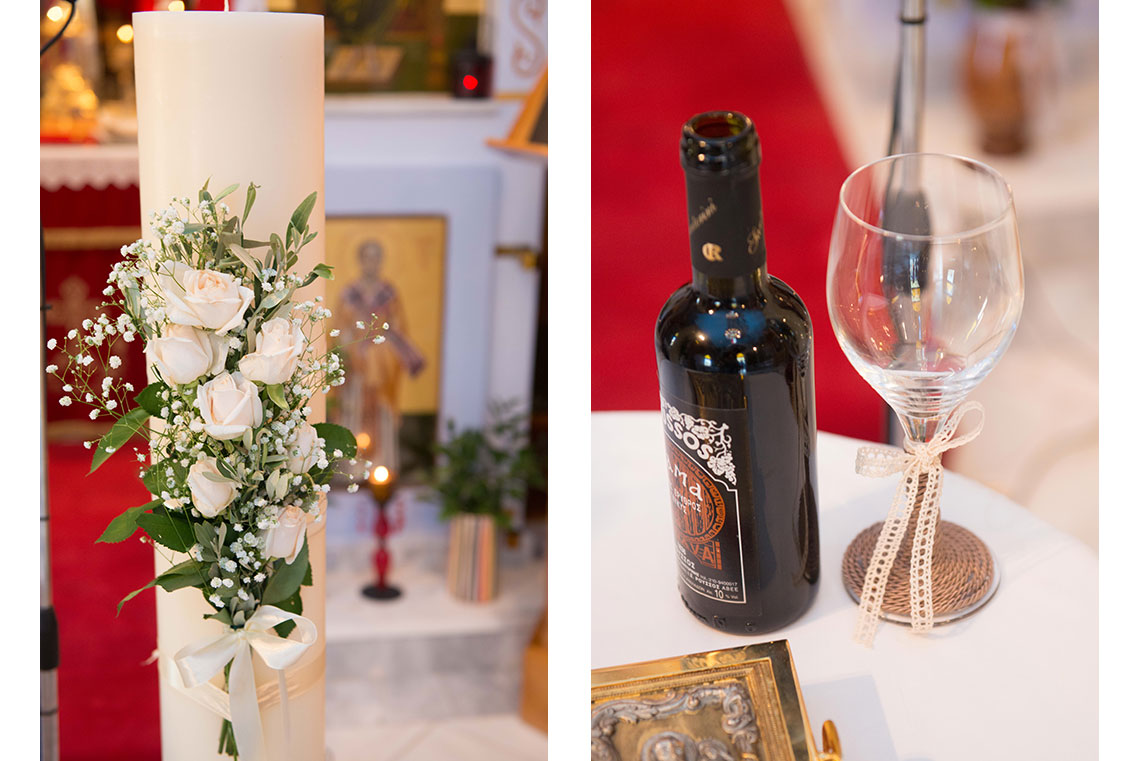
(963, 574)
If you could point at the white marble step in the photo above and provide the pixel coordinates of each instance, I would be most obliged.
(423, 655)
(500, 737)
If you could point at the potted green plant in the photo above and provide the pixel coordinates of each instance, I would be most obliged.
(478, 472)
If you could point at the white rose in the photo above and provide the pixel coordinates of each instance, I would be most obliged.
(303, 452)
(286, 538)
(184, 354)
(229, 405)
(203, 298)
(209, 497)
(279, 347)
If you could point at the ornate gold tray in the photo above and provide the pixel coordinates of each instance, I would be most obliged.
(742, 704)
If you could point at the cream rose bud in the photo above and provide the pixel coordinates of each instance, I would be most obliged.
(303, 453)
(229, 405)
(279, 346)
(203, 298)
(286, 538)
(209, 497)
(183, 354)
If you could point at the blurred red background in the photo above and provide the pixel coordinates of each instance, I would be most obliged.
(655, 65)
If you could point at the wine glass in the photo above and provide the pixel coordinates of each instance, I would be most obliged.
(924, 290)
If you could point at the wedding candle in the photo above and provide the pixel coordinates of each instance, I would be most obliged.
(237, 98)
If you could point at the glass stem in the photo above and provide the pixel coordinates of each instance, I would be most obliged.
(921, 429)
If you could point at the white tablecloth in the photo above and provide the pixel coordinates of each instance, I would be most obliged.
(1018, 680)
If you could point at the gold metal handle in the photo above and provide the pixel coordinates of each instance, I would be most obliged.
(832, 750)
(526, 255)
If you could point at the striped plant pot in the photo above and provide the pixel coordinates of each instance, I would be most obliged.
(473, 558)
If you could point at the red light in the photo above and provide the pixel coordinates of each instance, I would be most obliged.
(470, 82)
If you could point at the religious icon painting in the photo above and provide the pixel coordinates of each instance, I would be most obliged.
(392, 267)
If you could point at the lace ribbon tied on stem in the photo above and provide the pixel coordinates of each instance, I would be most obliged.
(919, 488)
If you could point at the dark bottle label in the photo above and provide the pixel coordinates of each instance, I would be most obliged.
(726, 227)
(707, 489)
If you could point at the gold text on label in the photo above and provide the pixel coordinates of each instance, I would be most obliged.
(711, 252)
(754, 237)
(702, 216)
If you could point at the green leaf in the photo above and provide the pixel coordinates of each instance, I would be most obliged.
(124, 525)
(121, 432)
(286, 578)
(133, 595)
(222, 615)
(170, 529)
(250, 195)
(226, 192)
(337, 437)
(308, 580)
(293, 605)
(300, 218)
(204, 533)
(276, 394)
(226, 469)
(154, 479)
(184, 574)
(188, 573)
(246, 258)
(321, 270)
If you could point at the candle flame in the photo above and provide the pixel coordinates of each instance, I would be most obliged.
(380, 475)
(125, 33)
(363, 440)
(55, 13)
(176, 5)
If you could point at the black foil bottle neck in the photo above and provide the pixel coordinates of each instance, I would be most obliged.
(721, 157)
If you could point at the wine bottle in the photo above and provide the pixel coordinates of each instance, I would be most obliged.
(734, 363)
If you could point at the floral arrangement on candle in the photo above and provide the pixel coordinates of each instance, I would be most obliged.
(236, 470)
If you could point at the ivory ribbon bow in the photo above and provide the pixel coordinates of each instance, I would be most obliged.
(918, 458)
(198, 663)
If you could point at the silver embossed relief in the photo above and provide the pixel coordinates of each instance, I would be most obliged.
(674, 746)
(737, 720)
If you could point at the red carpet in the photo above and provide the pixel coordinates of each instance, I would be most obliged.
(654, 66)
(108, 699)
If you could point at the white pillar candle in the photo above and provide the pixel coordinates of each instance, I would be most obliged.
(237, 98)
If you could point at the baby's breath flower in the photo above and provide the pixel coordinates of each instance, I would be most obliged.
(65, 401)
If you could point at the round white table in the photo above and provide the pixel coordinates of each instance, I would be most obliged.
(1017, 680)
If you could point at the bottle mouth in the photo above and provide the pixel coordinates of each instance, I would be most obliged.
(719, 141)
